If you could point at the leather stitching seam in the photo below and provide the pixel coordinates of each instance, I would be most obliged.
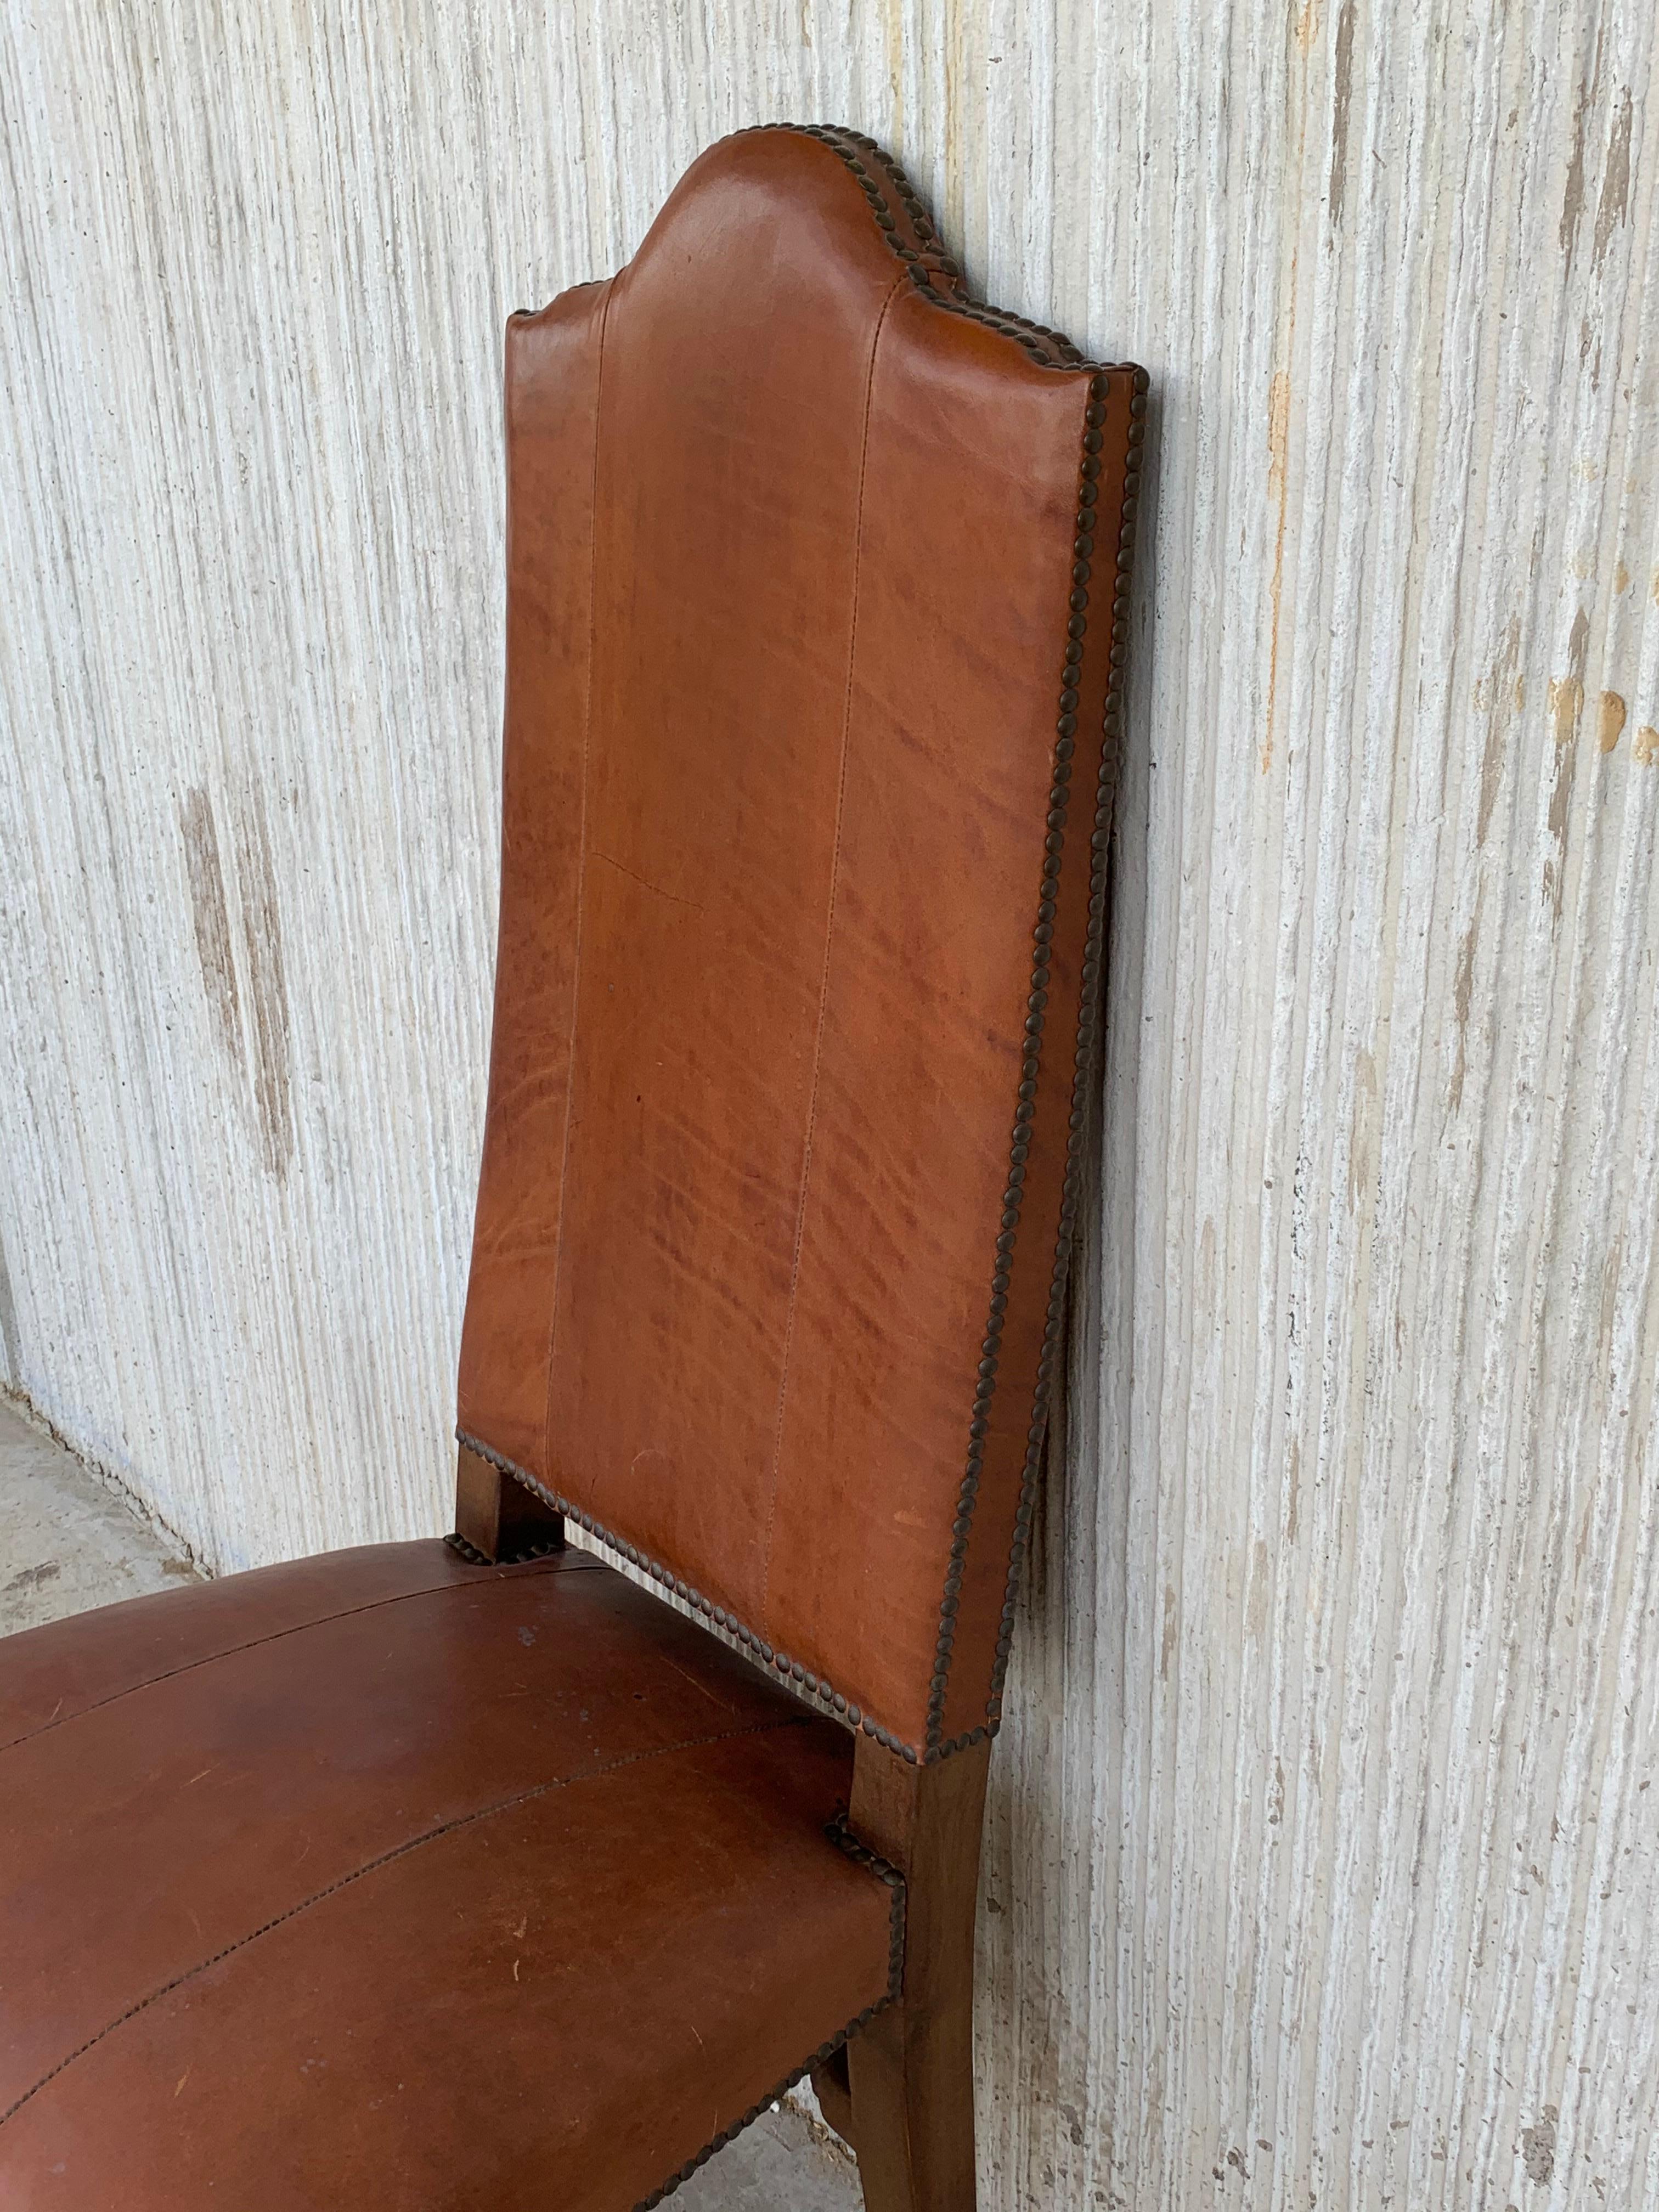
(253, 1643)
(374, 1866)
(828, 950)
(581, 874)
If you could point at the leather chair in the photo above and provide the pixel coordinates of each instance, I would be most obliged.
(473, 1873)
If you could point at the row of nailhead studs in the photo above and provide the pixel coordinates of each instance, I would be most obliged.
(844, 1840)
(1088, 1023)
(1082, 547)
(838, 1835)
(475, 1557)
(797, 1677)
(1013, 326)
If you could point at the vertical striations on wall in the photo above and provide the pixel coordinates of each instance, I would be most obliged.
(1323, 1853)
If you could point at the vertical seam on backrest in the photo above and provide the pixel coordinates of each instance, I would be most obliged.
(828, 944)
(582, 884)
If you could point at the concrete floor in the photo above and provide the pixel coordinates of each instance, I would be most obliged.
(67, 1543)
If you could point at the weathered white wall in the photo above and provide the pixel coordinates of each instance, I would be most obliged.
(1323, 1857)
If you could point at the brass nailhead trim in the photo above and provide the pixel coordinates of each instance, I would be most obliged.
(1083, 546)
(1083, 1061)
(842, 1837)
(475, 1557)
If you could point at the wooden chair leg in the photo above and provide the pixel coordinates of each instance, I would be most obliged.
(832, 2086)
(910, 2072)
(499, 1518)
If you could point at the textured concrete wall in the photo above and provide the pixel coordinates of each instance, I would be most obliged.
(1323, 1857)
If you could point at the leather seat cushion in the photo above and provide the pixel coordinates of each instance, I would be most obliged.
(383, 1880)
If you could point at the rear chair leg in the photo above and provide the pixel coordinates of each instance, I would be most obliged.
(908, 2108)
(499, 1518)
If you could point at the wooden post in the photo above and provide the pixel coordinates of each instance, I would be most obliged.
(909, 2103)
(499, 1517)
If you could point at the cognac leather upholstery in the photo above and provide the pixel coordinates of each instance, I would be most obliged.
(387, 1880)
(814, 618)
